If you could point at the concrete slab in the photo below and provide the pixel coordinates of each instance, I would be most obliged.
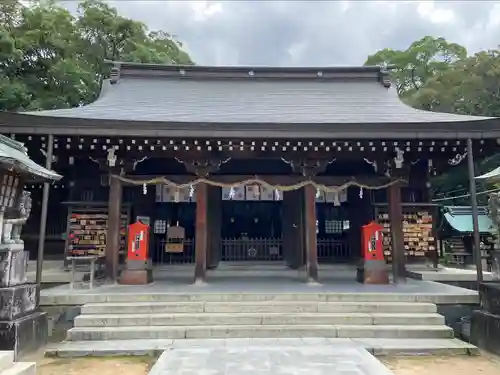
(6, 359)
(21, 368)
(54, 272)
(270, 360)
(448, 275)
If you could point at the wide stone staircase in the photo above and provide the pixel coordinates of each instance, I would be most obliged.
(142, 327)
(9, 367)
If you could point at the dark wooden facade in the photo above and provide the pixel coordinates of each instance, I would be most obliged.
(107, 156)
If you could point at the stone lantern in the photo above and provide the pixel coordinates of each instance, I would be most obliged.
(23, 327)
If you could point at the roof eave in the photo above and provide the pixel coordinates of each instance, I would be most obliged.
(38, 124)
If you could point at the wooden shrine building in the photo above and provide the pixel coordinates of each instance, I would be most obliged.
(251, 163)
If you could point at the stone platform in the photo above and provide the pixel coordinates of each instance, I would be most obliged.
(221, 288)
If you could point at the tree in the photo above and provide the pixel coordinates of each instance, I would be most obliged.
(51, 59)
(469, 86)
(422, 60)
(436, 75)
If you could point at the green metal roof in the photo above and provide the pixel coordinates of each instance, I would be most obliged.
(460, 219)
(491, 175)
(14, 154)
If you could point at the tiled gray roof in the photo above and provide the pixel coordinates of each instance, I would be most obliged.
(15, 154)
(205, 100)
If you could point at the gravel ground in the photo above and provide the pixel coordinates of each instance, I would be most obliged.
(96, 366)
(484, 364)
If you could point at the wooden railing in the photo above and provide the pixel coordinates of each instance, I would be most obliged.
(250, 249)
(262, 249)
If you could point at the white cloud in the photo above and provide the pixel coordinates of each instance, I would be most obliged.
(436, 14)
(313, 32)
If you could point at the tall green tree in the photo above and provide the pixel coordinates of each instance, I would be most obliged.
(436, 75)
(417, 64)
(51, 59)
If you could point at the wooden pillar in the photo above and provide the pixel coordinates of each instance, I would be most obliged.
(214, 226)
(43, 218)
(310, 235)
(287, 228)
(398, 246)
(360, 212)
(114, 223)
(293, 229)
(475, 219)
(201, 236)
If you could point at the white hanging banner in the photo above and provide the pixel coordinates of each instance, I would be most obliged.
(168, 193)
(266, 193)
(183, 194)
(343, 195)
(252, 192)
(320, 196)
(159, 193)
(235, 193)
(329, 197)
(278, 195)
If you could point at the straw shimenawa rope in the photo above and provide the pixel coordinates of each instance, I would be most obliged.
(257, 181)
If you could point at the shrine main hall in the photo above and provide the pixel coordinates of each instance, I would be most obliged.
(244, 164)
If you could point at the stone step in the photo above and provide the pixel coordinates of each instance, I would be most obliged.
(257, 331)
(221, 319)
(310, 294)
(6, 359)
(257, 307)
(379, 347)
(20, 368)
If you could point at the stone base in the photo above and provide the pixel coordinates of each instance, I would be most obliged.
(24, 335)
(11, 246)
(136, 277)
(485, 331)
(17, 301)
(13, 268)
(376, 275)
(490, 296)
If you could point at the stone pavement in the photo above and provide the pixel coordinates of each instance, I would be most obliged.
(267, 358)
